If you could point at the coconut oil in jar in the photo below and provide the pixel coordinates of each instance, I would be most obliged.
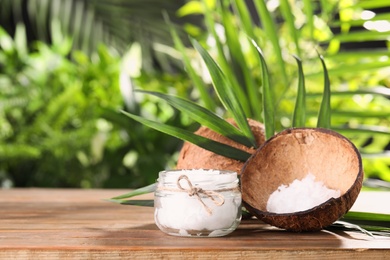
(202, 203)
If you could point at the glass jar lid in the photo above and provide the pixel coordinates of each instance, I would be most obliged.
(204, 178)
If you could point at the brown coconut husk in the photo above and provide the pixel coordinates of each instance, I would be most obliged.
(194, 157)
(291, 155)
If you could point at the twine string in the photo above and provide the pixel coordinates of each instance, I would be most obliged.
(216, 197)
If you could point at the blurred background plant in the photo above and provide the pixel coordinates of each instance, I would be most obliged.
(67, 67)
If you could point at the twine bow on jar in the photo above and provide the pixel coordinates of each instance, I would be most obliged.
(216, 197)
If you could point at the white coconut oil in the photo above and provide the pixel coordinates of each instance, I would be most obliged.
(197, 202)
(300, 195)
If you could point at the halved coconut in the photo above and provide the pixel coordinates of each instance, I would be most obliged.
(291, 155)
(194, 157)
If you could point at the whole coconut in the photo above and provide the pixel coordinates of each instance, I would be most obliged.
(194, 157)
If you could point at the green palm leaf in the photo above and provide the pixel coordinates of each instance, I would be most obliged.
(204, 95)
(272, 33)
(240, 63)
(226, 95)
(203, 116)
(364, 216)
(325, 109)
(308, 10)
(245, 17)
(208, 144)
(144, 190)
(290, 20)
(373, 223)
(268, 102)
(145, 203)
(222, 57)
(382, 91)
(300, 103)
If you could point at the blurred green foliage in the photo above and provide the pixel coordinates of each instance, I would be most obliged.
(357, 57)
(60, 124)
(59, 120)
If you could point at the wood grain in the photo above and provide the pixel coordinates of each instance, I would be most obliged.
(79, 224)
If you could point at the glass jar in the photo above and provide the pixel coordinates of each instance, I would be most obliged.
(197, 202)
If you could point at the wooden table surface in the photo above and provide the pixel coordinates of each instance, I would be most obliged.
(78, 224)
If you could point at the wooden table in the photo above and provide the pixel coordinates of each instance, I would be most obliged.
(78, 224)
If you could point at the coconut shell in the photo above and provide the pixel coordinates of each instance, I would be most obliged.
(291, 155)
(194, 157)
